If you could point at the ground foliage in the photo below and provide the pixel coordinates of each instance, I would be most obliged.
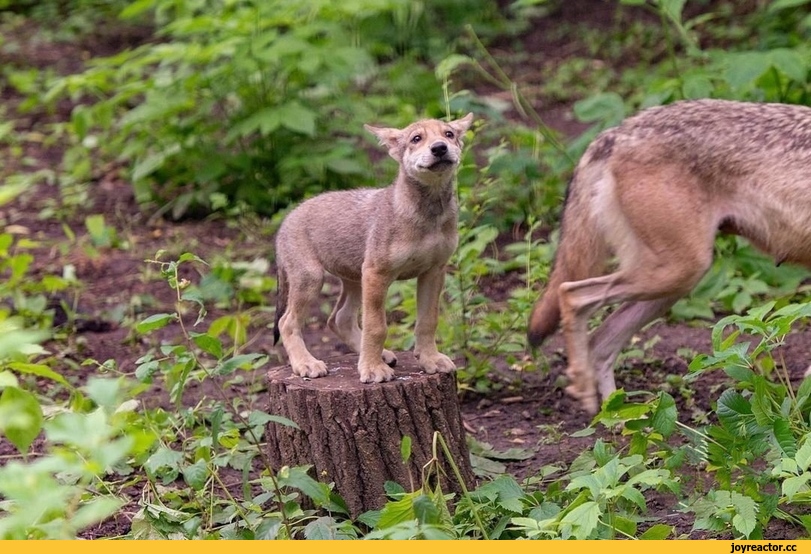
(150, 148)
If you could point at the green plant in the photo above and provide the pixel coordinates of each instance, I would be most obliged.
(257, 103)
(761, 418)
(604, 499)
(65, 489)
(202, 444)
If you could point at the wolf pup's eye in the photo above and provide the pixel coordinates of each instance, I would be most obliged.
(416, 138)
(449, 134)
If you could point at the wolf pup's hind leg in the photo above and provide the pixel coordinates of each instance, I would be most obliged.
(344, 319)
(303, 288)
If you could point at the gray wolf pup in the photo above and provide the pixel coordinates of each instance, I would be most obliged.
(653, 193)
(369, 238)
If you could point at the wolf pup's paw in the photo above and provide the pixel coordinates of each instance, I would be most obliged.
(436, 363)
(376, 372)
(389, 358)
(311, 368)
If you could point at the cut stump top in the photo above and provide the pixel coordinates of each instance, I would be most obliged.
(343, 374)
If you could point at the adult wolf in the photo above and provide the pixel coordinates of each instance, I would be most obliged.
(652, 194)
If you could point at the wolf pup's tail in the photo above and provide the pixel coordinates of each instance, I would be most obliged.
(581, 254)
(281, 302)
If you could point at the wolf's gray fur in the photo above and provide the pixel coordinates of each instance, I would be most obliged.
(369, 238)
(653, 193)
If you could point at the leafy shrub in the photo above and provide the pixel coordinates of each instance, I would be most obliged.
(259, 103)
(761, 417)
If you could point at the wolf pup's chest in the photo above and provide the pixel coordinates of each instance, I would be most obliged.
(412, 256)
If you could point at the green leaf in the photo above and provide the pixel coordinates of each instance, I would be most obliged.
(20, 417)
(323, 528)
(791, 486)
(262, 418)
(741, 374)
(136, 8)
(298, 478)
(785, 437)
(744, 68)
(624, 526)
(605, 107)
(658, 532)
(803, 456)
(95, 511)
(745, 520)
(164, 458)
(761, 402)
(208, 344)
(405, 448)
(196, 475)
(297, 118)
(666, 414)
(145, 166)
(585, 432)
(426, 510)
(268, 529)
(776, 5)
(589, 482)
(614, 401)
(7, 379)
(396, 512)
(101, 235)
(790, 62)
(14, 341)
(697, 86)
(189, 257)
(673, 8)
(584, 519)
(9, 192)
(733, 408)
(506, 491)
(649, 477)
(104, 392)
(154, 322)
(264, 121)
(145, 371)
(39, 370)
(241, 361)
(632, 494)
(485, 467)
(393, 489)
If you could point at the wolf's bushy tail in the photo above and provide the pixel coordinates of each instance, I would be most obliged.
(582, 253)
(281, 301)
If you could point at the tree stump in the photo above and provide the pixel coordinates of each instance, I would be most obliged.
(351, 432)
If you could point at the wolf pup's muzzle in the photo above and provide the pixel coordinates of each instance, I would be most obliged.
(440, 151)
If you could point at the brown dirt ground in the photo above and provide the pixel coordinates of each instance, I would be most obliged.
(530, 411)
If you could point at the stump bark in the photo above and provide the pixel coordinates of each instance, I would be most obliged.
(351, 432)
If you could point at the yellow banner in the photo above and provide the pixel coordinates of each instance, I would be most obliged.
(450, 547)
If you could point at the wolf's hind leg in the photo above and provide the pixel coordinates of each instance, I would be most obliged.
(304, 286)
(344, 319)
(615, 332)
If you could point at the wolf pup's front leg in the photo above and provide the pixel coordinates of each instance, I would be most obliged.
(371, 366)
(429, 288)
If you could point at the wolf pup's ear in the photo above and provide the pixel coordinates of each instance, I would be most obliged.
(462, 125)
(389, 138)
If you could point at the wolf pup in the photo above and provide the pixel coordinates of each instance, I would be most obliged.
(652, 194)
(370, 238)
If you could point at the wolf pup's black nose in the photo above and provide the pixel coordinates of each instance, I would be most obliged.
(439, 149)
